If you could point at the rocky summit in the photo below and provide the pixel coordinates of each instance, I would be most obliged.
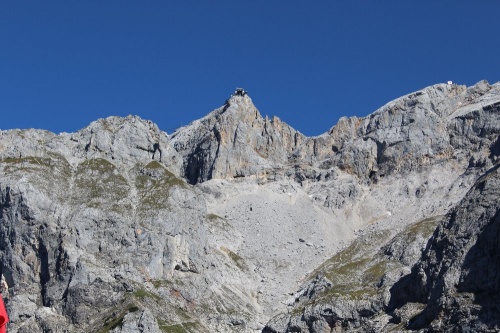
(240, 223)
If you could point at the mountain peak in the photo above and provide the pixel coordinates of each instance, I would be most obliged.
(413, 130)
(233, 141)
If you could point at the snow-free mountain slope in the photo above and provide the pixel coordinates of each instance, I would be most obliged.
(239, 223)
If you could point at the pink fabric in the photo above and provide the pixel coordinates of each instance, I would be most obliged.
(4, 318)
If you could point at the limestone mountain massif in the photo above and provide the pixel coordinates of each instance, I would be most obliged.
(240, 223)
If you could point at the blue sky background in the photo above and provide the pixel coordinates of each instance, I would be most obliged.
(64, 64)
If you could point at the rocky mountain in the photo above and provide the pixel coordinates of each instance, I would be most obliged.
(457, 278)
(239, 223)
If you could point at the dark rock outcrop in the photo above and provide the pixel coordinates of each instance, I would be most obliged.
(452, 287)
(458, 276)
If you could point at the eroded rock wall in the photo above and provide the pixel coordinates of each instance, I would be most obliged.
(434, 125)
(457, 278)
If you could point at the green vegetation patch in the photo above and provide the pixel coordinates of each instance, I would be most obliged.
(183, 314)
(100, 165)
(154, 165)
(357, 256)
(376, 272)
(116, 318)
(239, 261)
(424, 227)
(355, 271)
(218, 221)
(351, 291)
(177, 328)
(28, 160)
(154, 183)
(349, 269)
(142, 293)
(185, 327)
(213, 217)
(193, 326)
(161, 283)
(98, 182)
(50, 174)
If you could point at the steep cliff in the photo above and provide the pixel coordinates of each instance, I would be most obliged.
(96, 235)
(457, 278)
(234, 141)
(438, 123)
(360, 288)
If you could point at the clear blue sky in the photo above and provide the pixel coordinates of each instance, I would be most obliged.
(64, 64)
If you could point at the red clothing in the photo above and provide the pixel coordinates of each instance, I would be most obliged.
(4, 318)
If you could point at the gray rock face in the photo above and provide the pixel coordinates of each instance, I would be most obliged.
(238, 220)
(422, 128)
(80, 245)
(234, 141)
(452, 285)
(92, 228)
(457, 277)
(352, 289)
(125, 141)
(138, 321)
